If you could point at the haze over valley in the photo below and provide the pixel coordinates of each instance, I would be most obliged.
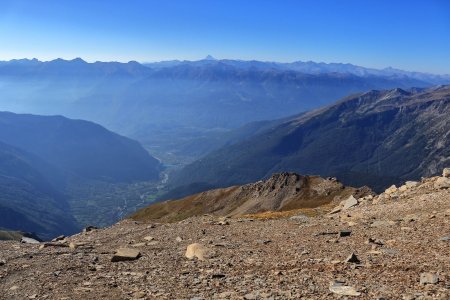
(211, 149)
(179, 110)
(212, 123)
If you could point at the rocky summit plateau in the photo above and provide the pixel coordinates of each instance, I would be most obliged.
(394, 245)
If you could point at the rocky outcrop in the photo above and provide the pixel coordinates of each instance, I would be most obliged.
(281, 192)
(377, 138)
(411, 187)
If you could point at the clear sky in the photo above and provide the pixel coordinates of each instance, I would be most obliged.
(407, 34)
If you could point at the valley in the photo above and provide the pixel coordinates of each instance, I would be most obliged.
(238, 150)
(59, 175)
(209, 124)
(181, 110)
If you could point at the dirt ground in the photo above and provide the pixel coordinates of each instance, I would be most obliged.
(397, 238)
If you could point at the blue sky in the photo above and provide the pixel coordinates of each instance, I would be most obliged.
(411, 35)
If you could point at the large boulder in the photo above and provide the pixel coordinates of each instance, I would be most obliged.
(199, 251)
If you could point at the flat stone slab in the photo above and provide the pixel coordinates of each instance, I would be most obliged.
(350, 202)
(341, 289)
(125, 254)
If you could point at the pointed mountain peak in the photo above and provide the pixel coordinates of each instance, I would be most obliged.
(209, 57)
(78, 60)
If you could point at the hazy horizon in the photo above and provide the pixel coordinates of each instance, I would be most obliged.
(405, 35)
(219, 59)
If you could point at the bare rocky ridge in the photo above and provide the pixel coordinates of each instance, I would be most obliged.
(392, 246)
(281, 192)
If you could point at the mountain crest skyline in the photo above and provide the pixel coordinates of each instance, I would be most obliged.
(303, 66)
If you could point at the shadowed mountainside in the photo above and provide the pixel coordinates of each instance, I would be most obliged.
(80, 147)
(170, 107)
(28, 200)
(373, 138)
(58, 174)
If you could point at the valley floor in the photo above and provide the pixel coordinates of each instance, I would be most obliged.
(397, 241)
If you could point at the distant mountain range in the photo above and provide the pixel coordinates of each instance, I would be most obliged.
(46, 160)
(171, 106)
(310, 67)
(232, 120)
(374, 138)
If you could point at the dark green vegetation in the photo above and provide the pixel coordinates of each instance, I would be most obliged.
(54, 171)
(178, 109)
(375, 138)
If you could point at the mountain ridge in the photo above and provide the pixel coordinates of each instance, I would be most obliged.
(281, 192)
(360, 139)
(177, 101)
(58, 174)
(46, 136)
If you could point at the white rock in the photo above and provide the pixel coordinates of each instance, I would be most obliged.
(340, 289)
(446, 172)
(428, 278)
(390, 190)
(350, 202)
(411, 184)
(27, 240)
(403, 188)
(442, 183)
(300, 218)
(197, 250)
(74, 245)
(407, 186)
